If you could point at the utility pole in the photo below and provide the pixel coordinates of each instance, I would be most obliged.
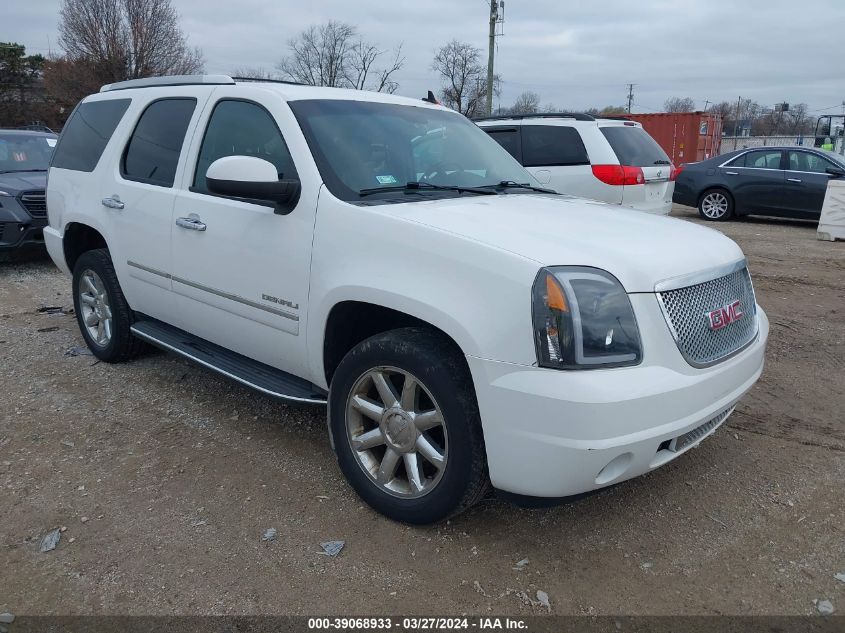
(736, 120)
(491, 46)
(630, 96)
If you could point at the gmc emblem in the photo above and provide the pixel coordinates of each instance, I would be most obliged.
(724, 316)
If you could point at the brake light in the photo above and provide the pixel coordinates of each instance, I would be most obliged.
(675, 171)
(618, 175)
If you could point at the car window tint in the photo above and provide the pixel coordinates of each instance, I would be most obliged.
(152, 153)
(552, 145)
(805, 161)
(87, 133)
(509, 139)
(633, 146)
(763, 160)
(241, 128)
(739, 161)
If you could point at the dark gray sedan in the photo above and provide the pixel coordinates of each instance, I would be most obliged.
(776, 181)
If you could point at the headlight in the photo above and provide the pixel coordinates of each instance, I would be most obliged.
(583, 319)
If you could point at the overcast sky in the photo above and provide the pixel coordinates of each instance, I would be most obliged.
(574, 54)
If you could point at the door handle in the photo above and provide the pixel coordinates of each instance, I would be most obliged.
(192, 222)
(113, 202)
(794, 179)
(732, 173)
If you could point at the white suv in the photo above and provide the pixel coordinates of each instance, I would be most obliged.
(614, 161)
(384, 257)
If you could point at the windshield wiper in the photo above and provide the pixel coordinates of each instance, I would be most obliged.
(414, 187)
(512, 184)
(18, 171)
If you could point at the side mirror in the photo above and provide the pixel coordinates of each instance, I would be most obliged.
(835, 172)
(252, 178)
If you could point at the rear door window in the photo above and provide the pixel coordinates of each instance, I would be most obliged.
(763, 160)
(507, 138)
(87, 133)
(152, 153)
(634, 147)
(552, 146)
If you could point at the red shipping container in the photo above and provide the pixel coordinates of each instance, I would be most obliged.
(687, 137)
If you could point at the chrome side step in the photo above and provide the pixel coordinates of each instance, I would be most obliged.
(268, 380)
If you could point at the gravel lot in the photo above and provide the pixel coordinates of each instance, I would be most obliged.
(166, 477)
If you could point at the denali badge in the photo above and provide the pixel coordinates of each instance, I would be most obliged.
(725, 315)
(281, 302)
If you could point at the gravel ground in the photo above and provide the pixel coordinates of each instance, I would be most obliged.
(166, 477)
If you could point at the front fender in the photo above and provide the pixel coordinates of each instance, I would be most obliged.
(477, 294)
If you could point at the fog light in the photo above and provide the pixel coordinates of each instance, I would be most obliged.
(614, 469)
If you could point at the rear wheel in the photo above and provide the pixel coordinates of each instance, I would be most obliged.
(102, 312)
(406, 426)
(716, 205)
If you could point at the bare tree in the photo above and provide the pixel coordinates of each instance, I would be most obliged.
(127, 39)
(724, 109)
(679, 104)
(113, 40)
(526, 103)
(464, 78)
(333, 55)
(254, 72)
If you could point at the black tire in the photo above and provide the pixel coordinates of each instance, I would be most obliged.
(716, 205)
(441, 368)
(122, 345)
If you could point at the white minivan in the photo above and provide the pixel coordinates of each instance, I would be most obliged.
(610, 160)
(383, 258)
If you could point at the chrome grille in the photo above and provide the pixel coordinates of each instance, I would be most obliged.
(35, 202)
(686, 310)
(691, 437)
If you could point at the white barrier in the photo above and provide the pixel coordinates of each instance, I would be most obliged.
(832, 221)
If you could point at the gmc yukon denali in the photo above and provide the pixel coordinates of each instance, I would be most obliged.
(382, 256)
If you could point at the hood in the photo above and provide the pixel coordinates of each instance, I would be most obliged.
(637, 248)
(15, 182)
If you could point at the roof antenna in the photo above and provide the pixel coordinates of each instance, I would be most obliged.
(430, 98)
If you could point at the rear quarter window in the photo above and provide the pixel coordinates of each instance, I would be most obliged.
(509, 139)
(87, 133)
(552, 146)
(634, 147)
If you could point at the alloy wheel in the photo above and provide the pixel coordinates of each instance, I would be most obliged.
(397, 432)
(95, 308)
(714, 205)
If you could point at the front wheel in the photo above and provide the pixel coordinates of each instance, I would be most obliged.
(406, 426)
(716, 205)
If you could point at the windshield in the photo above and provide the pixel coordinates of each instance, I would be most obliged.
(363, 146)
(25, 152)
(634, 147)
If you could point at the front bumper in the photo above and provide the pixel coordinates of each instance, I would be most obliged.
(15, 236)
(555, 433)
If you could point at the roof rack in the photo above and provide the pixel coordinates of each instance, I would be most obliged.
(578, 116)
(172, 80)
(270, 81)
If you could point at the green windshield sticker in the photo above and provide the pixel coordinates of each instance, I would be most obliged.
(386, 180)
